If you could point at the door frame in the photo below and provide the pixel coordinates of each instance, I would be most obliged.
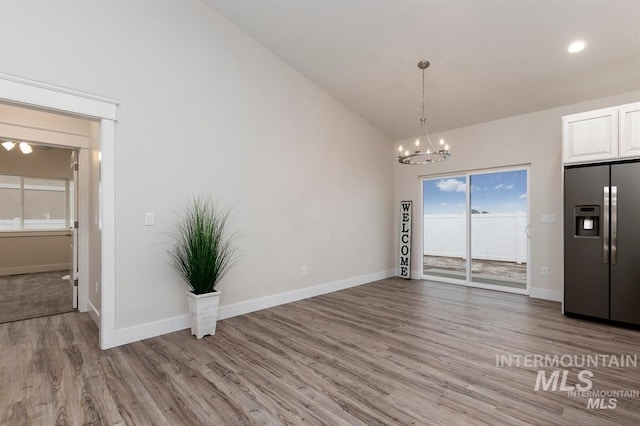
(73, 202)
(467, 281)
(26, 93)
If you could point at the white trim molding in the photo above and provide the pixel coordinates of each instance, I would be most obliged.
(151, 329)
(546, 294)
(181, 322)
(107, 224)
(42, 95)
(253, 305)
(94, 313)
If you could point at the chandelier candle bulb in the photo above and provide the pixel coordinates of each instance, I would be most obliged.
(419, 157)
(25, 148)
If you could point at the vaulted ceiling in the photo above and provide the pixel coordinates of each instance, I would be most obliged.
(489, 58)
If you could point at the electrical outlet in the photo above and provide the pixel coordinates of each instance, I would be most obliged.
(305, 271)
(544, 271)
(149, 219)
(96, 287)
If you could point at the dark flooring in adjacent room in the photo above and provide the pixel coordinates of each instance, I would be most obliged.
(389, 352)
(34, 295)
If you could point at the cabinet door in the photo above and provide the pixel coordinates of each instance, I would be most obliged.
(590, 136)
(630, 130)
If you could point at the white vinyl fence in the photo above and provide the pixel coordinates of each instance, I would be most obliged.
(494, 236)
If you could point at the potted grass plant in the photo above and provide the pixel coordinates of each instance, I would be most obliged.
(202, 253)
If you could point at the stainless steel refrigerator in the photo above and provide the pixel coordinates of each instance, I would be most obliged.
(602, 241)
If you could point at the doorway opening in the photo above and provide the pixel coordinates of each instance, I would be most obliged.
(96, 255)
(49, 197)
(37, 213)
(475, 229)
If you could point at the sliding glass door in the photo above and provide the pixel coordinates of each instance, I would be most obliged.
(445, 227)
(475, 229)
(498, 228)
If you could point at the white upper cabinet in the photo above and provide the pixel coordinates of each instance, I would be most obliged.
(590, 136)
(601, 135)
(630, 130)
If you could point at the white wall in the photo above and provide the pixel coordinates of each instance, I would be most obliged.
(204, 108)
(534, 139)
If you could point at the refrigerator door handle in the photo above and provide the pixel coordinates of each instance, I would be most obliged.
(614, 225)
(605, 226)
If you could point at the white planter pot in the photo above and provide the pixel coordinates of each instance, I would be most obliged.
(203, 313)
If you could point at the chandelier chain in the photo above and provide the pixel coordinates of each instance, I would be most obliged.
(423, 93)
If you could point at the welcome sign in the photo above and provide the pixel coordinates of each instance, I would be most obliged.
(405, 239)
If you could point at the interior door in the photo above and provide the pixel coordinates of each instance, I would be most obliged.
(625, 243)
(73, 226)
(586, 263)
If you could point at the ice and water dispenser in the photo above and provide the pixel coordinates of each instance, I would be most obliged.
(587, 221)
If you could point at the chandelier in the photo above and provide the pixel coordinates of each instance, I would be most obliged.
(24, 147)
(432, 154)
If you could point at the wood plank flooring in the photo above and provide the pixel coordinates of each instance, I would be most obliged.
(34, 295)
(389, 352)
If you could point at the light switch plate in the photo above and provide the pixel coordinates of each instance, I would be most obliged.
(149, 219)
(548, 218)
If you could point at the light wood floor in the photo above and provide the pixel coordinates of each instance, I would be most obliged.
(34, 295)
(390, 352)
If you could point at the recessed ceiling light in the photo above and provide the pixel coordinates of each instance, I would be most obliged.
(577, 46)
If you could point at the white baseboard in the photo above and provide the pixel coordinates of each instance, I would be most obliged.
(94, 313)
(150, 329)
(546, 294)
(253, 305)
(17, 270)
(180, 322)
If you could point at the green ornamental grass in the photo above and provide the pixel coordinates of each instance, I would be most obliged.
(202, 252)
